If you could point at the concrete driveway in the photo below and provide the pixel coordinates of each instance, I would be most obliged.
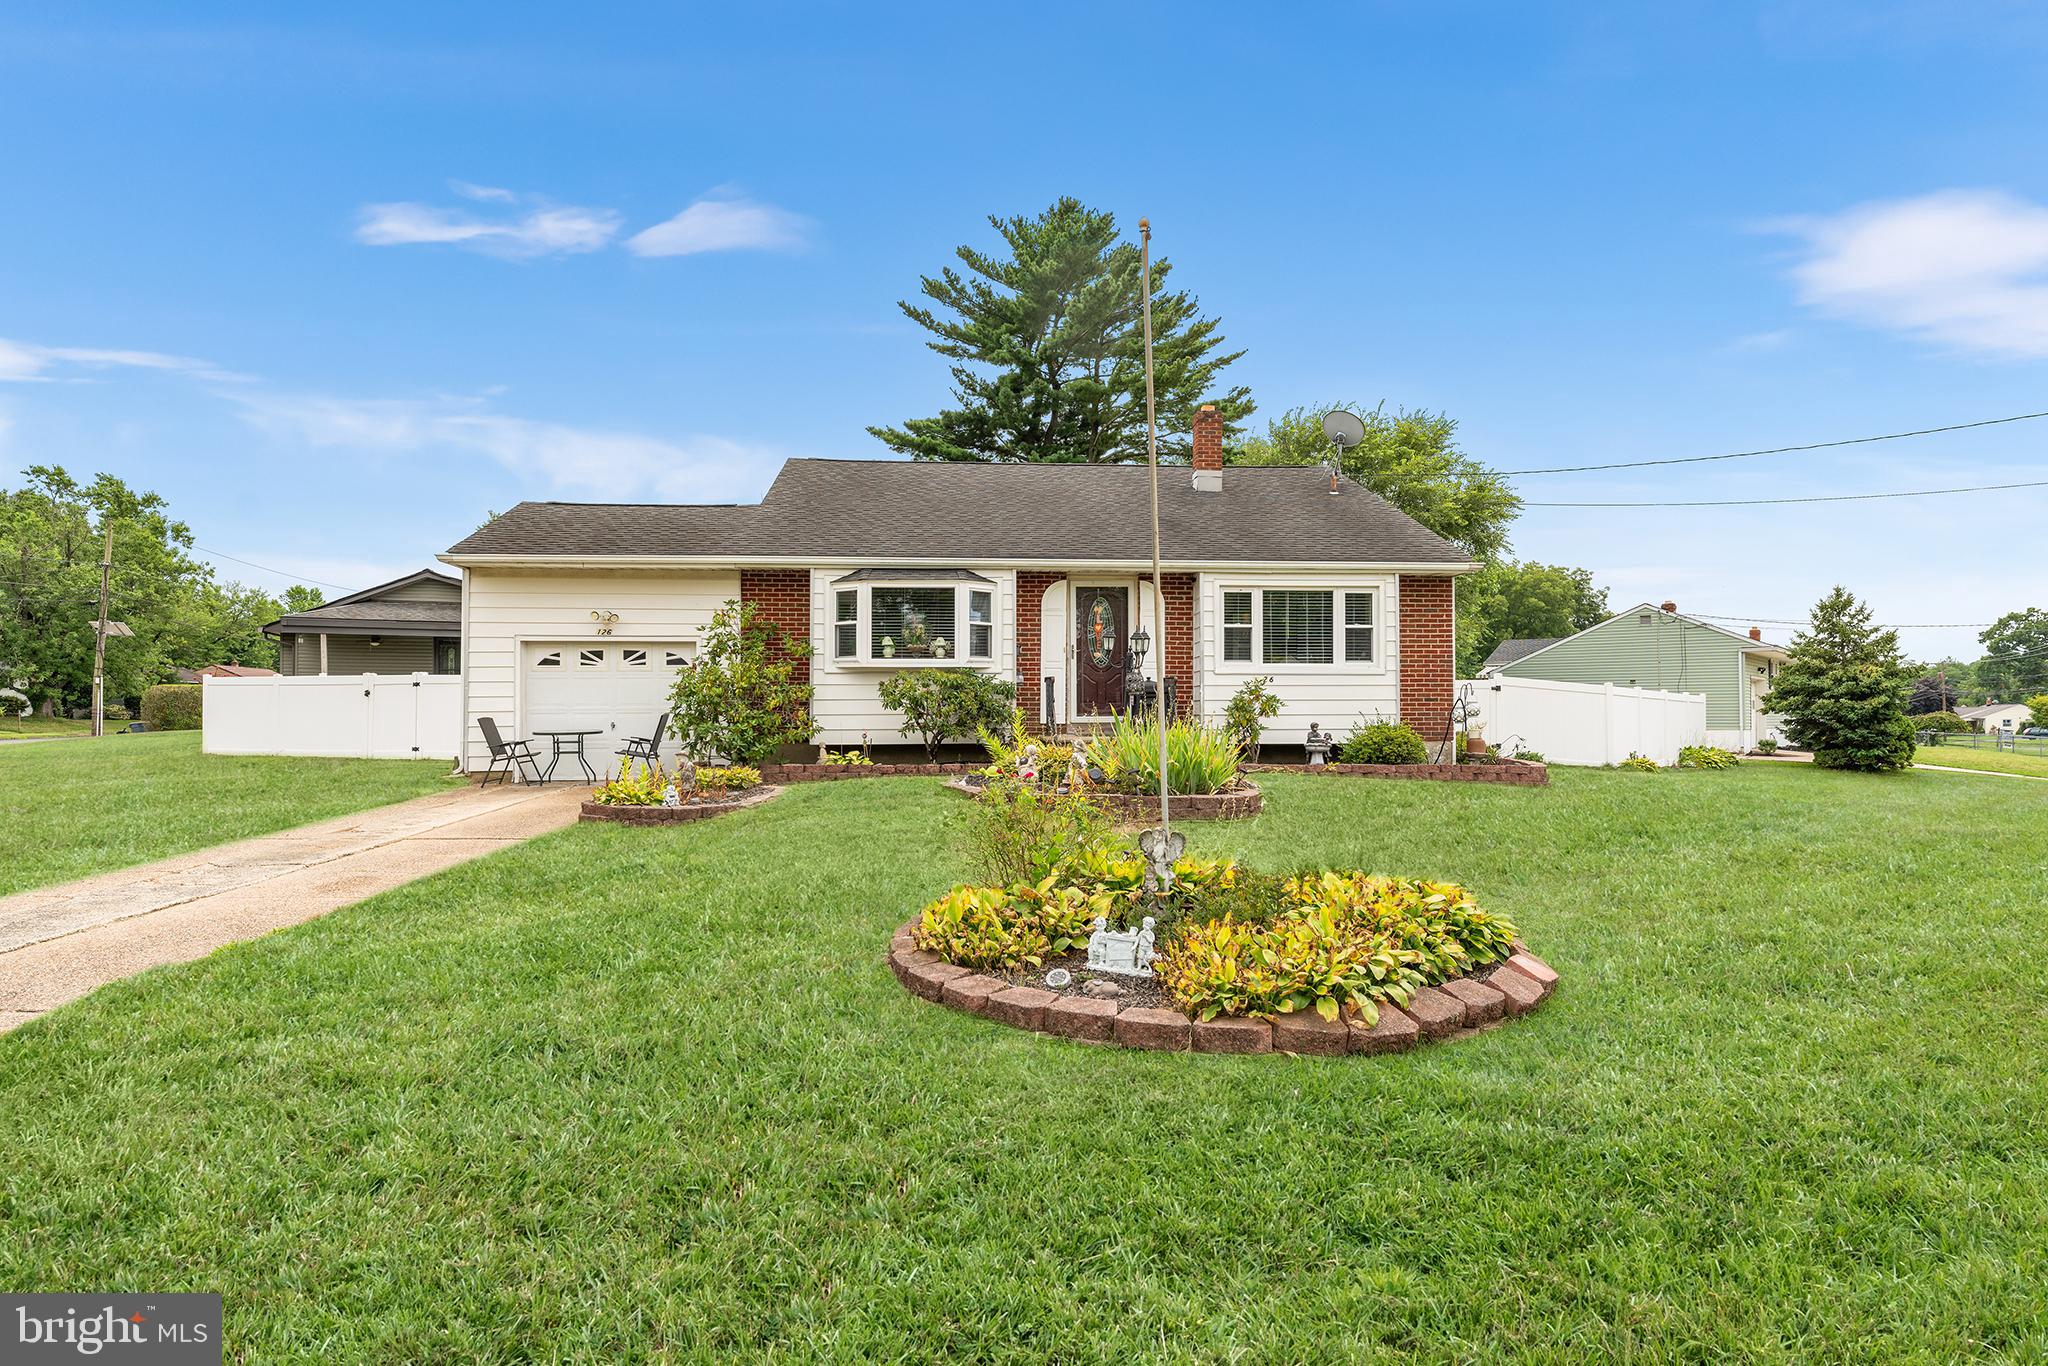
(57, 943)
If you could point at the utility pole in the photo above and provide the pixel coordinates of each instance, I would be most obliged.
(99, 649)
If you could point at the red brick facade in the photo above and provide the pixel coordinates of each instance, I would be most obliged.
(1179, 596)
(783, 598)
(1428, 662)
(1180, 640)
(1208, 438)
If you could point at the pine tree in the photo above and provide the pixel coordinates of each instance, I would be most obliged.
(1843, 692)
(1048, 350)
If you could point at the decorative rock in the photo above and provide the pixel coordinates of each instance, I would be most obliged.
(1438, 1015)
(972, 993)
(1102, 991)
(1483, 1005)
(1023, 1007)
(1304, 1031)
(1522, 993)
(1146, 1027)
(926, 979)
(1535, 969)
(1394, 1032)
(1077, 1017)
(1233, 1034)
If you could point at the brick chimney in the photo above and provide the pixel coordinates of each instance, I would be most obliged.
(1208, 449)
(1671, 607)
(1756, 633)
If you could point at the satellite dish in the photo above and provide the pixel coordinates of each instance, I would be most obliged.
(1345, 430)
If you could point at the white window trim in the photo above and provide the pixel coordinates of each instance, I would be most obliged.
(864, 656)
(1377, 590)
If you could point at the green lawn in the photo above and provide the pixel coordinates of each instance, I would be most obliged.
(625, 1094)
(86, 806)
(15, 727)
(1985, 760)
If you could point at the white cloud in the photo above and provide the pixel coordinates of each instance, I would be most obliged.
(723, 221)
(25, 362)
(542, 229)
(1964, 268)
(591, 463)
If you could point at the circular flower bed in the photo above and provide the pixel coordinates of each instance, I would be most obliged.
(1242, 962)
(649, 795)
(1240, 799)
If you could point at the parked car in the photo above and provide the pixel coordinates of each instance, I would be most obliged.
(2035, 733)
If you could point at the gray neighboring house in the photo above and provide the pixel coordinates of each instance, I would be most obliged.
(409, 625)
(1510, 651)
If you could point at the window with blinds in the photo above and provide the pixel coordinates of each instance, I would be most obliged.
(846, 623)
(1358, 635)
(1237, 626)
(981, 624)
(1295, 625)
(912, 623)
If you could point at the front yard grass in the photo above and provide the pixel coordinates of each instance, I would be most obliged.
(14, 726)
(78, 807)
(622, 1094)
(1983, 760)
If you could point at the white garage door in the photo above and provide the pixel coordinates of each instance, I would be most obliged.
(618, 688)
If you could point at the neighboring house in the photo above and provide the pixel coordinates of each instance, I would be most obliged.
(579, 615)
(1654, 647)
(410, 625)
(1995, 716)
(224, 671)
(1508, 651)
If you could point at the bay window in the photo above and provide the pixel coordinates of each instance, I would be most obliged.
(882, 617)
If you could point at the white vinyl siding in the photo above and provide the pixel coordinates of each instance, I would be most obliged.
(846, 701)
(1230, 620)
(662, 612)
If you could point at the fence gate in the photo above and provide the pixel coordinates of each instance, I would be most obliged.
(357, 716)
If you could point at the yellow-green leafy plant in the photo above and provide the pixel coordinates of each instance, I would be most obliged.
(1054, 759)
(846, 758)
(1021, 832)
(733, 778)
(1639, 763)
(1008, 927)
(1705, 756)
(1439, 922)
(1314, 960)
(640, 785)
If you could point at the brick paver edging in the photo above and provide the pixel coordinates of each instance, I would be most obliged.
(1514, 772)
(819, 773)
(1462, 1006)
(675, 815)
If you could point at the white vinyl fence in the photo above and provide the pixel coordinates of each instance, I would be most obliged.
(351, 716)
(1594, 724)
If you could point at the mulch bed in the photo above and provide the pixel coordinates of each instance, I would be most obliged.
(693, 810)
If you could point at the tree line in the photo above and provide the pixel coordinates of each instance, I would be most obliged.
(52, 534)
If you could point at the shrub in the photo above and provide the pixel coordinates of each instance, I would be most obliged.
(1383, 742)
(2038, 705)
(1528, 756)
(1946, 722)
(1767, 745)
(172, 706)
(1843, 690)
(846, 758)
(1246, 711)
(1638, 763)
(1199, 759)
(1019, 832)
(1439, 922)
(945, 704)
(733, 778)
(114, 711)
(741, 700)
(1705, 756)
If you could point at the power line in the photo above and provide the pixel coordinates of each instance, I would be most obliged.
(1824, 498)
(1883, 626)
(1779, 450)
(271, 569)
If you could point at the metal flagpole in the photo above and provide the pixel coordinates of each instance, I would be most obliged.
(1158, 578)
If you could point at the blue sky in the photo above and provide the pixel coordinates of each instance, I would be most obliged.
(336, 282)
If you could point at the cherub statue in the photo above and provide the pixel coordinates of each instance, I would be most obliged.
(1096, 956)
(1161, 851)
(1146, 936)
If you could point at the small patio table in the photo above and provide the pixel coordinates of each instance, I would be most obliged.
(569, 742)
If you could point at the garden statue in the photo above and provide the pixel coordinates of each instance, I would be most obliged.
(1318, 746)
(1027, 765)
(1126, 952)
(685, 774)
(1161, 852)
(1078, 776)
(670, 797)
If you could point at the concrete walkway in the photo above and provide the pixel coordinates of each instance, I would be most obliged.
(58, 943)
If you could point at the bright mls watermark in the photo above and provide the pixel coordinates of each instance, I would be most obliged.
(167, 1330)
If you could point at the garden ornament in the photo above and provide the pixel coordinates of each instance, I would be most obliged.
(1318, 746)
(1161, 850)
(1059, 977)
(1027, 765)
(1125, 952)
(670, 797)
(686, 774)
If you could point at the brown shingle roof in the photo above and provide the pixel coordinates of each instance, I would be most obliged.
(890, 510)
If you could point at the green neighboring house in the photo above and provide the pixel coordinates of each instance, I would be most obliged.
(1651, 646)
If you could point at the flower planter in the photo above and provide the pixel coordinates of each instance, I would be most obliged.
(1241, 799)
(677, 815)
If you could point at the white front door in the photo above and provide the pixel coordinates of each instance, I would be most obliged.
(618, 688)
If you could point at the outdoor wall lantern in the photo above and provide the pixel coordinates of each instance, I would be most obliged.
(1140, 642)
(376, 640)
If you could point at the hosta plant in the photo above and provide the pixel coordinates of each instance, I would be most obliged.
(1639, 763)
(636, 785)
(733, 778)
(1705, 756)
(1008, 927)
